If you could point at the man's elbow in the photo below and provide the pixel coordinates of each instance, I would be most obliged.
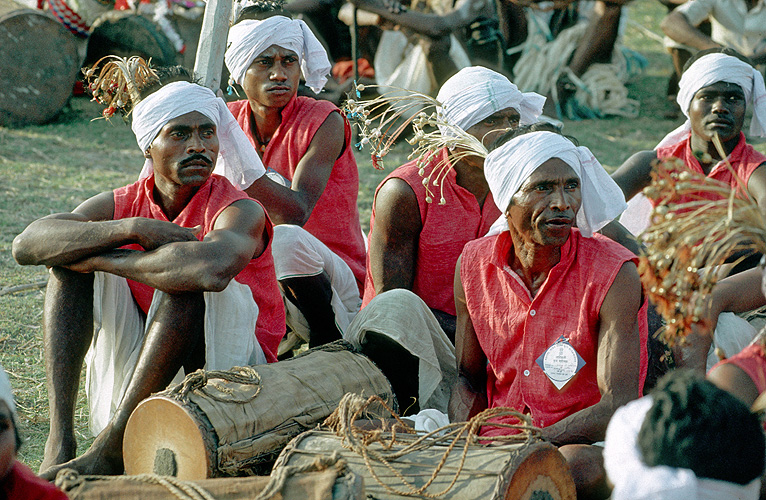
(22, 250)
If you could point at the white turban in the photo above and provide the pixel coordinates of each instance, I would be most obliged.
(6, 394)
(634, 480)
(247, 39)
(237, 160)
(508, 167)
(714, 68)
(474, 93)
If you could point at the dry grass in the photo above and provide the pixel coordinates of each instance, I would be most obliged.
(53, 168)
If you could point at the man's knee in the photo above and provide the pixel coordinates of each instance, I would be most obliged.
(586, 464)
(294, 252)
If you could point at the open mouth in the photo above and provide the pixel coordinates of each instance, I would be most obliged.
(559, 222)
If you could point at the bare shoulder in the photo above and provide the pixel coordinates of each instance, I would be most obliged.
(625, 293)
(633, 175)
(756, 185)
(397, 204)
(97, 208)
(242, 216)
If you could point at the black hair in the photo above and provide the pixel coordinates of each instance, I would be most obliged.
(17, 435)
(526, 129)
(716, 50)
(692, 424)
(263, 9)
(165, 75)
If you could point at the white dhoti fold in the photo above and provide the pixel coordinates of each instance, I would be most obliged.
(732, 334)
(298, 253)
(404, 317)
(119, 328)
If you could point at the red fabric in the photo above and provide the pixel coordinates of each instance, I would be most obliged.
(137, 200)
(514, 329)
(445, 230)
(22, 483)
(744, 159)
(752, 360)
(335, 218)
(343, 70)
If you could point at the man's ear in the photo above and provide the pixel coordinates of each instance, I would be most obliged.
(147, 154)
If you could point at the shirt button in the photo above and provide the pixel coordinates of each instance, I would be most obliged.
(526, 373)
(532, 312)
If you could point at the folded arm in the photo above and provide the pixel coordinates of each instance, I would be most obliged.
(294, 205)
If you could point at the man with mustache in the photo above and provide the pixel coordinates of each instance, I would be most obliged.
(174, 271)
(551, 319)
(714, 92)
(306, 145)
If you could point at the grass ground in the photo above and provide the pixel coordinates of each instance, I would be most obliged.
(52, 168)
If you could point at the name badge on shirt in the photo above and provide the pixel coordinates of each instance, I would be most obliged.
(560, 362)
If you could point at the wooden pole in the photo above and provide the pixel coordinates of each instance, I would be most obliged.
(355, 46)
(212, 43)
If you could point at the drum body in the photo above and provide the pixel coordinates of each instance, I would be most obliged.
(227, 428)
(323, 485)
(39, 63)
(533, 470)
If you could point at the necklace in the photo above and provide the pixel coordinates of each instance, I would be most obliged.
(261, 143)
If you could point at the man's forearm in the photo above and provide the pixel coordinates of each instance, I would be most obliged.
(677, 27)
(60, 241)
(173, 268)
(465, 401)
(587, 426)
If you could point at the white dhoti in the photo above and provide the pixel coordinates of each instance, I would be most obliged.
(404, 317)
(298, 253)
(732, 334)
(119, 328)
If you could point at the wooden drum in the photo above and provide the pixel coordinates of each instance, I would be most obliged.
(39, 62)
(235, 423)
(328, 484)
(533, 470)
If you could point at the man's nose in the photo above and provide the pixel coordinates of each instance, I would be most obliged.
(278, 73)
(195, 143)
(719, 105)
(560, 199)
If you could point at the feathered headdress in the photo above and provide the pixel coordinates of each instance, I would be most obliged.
(696, 224)
(382, 120)
(117, 83)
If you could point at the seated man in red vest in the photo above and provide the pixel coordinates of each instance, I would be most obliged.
(306, 144)
(550, 316)
(174, 271)
(415, 244)
(714, 93)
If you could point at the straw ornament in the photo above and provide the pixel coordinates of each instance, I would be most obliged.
(116, 85)
(382, 120)
(697, 222)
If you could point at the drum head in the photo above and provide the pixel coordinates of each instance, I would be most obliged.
(38, 66)
(124, 33)
(162, 437)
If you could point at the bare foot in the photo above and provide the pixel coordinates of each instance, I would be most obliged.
(102, 458)
(58, 451)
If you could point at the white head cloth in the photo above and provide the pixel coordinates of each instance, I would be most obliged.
(474, 93)
(508, 167)
(247, 39)
(6, 394)
(714, 68)
(634, 480)
(237, 160)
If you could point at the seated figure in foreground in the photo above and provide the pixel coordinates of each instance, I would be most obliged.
(687, 440)
(551, 319)
(174, 271)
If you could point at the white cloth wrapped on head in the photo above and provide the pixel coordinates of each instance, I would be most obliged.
(714, 68)
(474, 93)
(6, 394)
(508, 167)
(237, 159)
(247, 39)
(634, 480)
